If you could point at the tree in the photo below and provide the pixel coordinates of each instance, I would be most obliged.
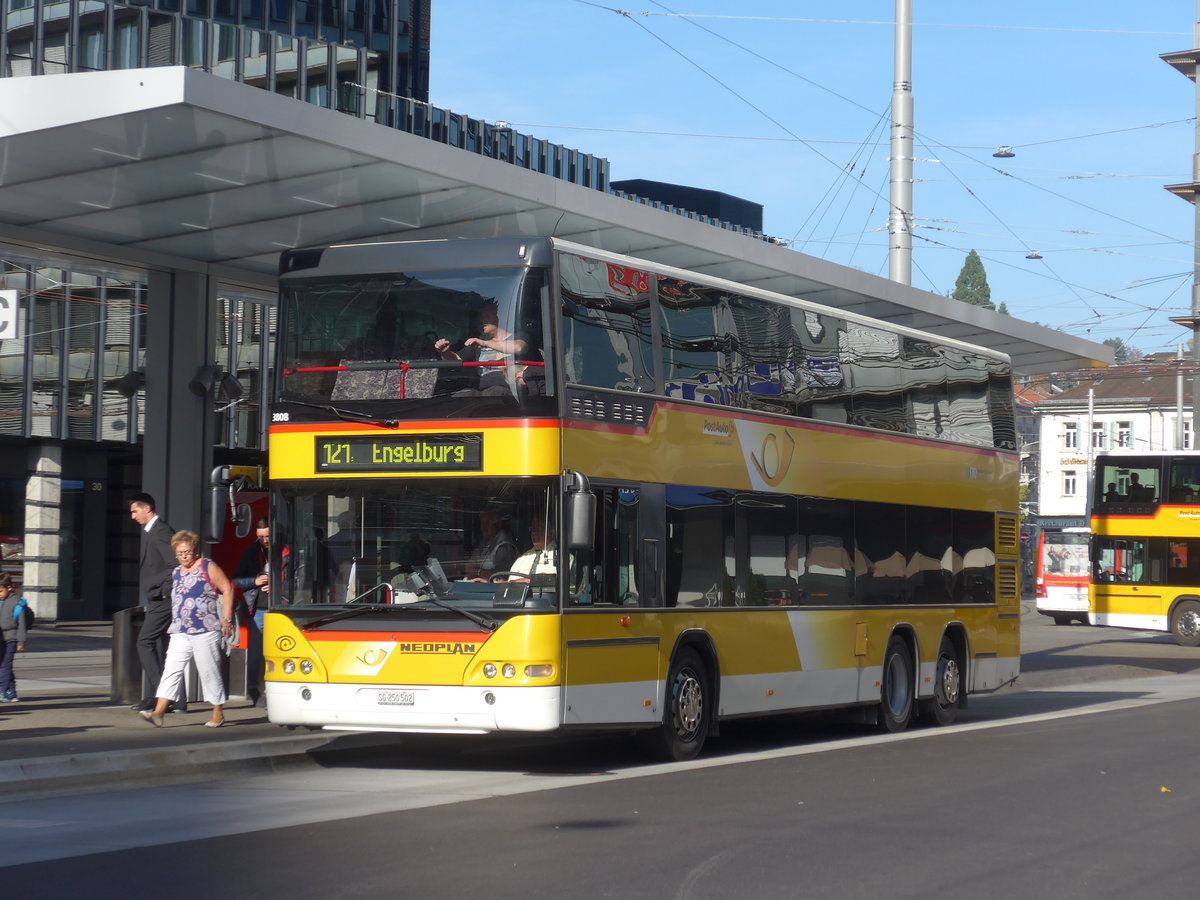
(1122, 352)
(971, 286)
(1002, 308)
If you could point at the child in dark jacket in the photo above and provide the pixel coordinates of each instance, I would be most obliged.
(12, 636)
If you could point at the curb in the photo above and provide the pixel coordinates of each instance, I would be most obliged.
(95, 772)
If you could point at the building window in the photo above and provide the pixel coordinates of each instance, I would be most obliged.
(1069, 483)
(125, 45)
(1098, 436)
(194, 32)
(54, 54)
(245, 339)
(1070, 436)
(82, 333)
(1124, 434)
(1187, 435)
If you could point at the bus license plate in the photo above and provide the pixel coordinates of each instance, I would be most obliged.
(396, 698)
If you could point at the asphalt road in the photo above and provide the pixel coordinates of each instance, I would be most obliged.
(1058, 793)
(1081, 787)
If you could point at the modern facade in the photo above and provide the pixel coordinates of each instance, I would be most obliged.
(365, 58)
(143, 210)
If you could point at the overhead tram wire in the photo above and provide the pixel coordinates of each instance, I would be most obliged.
(971, 193)
(728, 88)
(790, 139)
(870, 213)
(1006, 174)
(1073, 288)
(858, 105)
(915, 24)
(847, 170)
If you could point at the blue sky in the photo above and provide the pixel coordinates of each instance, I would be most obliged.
(787, 104)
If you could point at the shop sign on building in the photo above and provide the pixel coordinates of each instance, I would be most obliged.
(10, 316)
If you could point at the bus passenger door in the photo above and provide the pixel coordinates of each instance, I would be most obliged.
(611, 645)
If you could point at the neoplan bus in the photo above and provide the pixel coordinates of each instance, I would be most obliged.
(1145, 516)
(523, 485)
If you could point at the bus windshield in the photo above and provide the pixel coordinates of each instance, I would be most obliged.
(481, 541)
(1065, 554)
(476, 333)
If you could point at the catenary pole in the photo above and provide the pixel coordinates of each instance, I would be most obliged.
(901, 169)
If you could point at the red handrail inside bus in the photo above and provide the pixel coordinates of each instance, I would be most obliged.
(416, 364)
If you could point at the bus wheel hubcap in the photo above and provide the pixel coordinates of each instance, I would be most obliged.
(689, 703)
(949, 682)
(1189, 623)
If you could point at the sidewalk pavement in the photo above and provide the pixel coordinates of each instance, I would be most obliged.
(65, 734)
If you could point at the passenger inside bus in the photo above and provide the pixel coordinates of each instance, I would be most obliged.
(1138, 492)
(497, 347)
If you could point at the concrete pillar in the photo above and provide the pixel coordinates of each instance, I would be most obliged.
(180, 426)
(43, 502)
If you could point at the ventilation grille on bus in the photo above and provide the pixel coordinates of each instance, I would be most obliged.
(1008, 536)
(1008, 584)
(606, 410)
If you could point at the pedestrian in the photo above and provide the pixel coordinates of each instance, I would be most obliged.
(201, 621)
(252, 577)
(12, 636)
(154, 578)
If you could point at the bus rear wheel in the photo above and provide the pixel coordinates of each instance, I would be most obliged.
(896, 687)
(942, 708)
(688, 709)
(1185, 623)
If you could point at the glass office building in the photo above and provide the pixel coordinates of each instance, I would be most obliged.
(365, 58)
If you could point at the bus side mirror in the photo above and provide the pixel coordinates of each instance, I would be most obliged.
(217, 510)
(581, 513)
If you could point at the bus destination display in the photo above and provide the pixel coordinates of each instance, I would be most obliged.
(401, 453)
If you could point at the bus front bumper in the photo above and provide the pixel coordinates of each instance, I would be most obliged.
(423, 709)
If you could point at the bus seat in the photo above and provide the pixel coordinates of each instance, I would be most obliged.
(418, 383)
(375, 384)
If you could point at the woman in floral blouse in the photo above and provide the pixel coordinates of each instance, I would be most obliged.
(201, 617)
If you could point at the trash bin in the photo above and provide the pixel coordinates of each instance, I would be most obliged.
(126, 678)
(240, 681)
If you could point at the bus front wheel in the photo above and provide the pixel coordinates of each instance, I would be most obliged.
(1185, 623)
(688, 709)
(896, 687)
(942, 708)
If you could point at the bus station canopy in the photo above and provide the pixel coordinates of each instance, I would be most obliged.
(175, 167)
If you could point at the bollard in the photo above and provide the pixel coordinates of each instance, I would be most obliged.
(126, 681)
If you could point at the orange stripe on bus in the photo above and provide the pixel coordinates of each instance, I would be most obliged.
(400, 637)
(438, 425)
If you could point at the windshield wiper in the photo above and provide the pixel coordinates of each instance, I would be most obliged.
(481, 621)
(348, 415)
(350, 611)
(358, 610)
(338, 616)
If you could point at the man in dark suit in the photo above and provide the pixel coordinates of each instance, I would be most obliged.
(154, 579)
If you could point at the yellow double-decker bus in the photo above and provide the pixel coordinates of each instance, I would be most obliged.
(523, 485)
(1145, 517)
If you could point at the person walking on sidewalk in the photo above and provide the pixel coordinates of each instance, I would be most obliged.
(201, 620)
(252, 578)
(12, 636)
(154, 576)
